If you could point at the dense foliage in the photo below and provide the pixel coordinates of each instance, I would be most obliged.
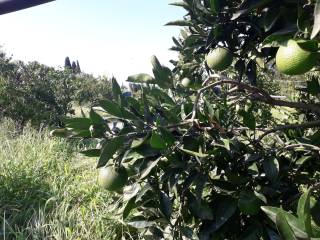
(221, 158)
(40, 94)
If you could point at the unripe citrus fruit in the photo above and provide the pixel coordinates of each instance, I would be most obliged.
(186, 82)
(219, 59)
(112, 179)
(294, 60)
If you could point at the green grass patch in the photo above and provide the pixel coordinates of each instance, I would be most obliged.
(48, 191)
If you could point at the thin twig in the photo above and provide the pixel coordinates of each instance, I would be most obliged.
(291, 126)
(305, 145)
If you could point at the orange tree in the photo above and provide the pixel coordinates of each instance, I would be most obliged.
(197, 153)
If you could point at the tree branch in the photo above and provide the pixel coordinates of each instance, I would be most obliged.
(259, 94)
(291, 126)
(312, 147)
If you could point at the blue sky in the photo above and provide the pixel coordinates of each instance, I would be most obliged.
(108, 37)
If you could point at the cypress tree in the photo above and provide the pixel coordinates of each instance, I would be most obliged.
(74, 66)
(67, 63)
(78, 67)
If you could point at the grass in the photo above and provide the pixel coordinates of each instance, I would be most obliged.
(47, 191)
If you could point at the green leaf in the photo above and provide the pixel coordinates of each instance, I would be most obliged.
(199, 208)
(215, 6)
(225, 209)
(304, 214)
(129, 206)
(109, 149)
(78, 123)
(283, 226)
(249, 203)
(210, 109)
(59, 133)
(167, 137)
(163, 75)
(292, 220)
(165, 204)
(270, 18)
(141, 224)
(111, 108)
(95, 118)
(195, 154)
(271, 168)
(116, 110)
(131, 191)
(181, 23)
(313, 87)
(248, 5)
(139, 141)
(141, 78)
(276, 40)
(157, 141)
(180, 4)
(150, 166)
(162, 95)
(248, 119)
(91, 152)
(316, 25)
(116, 91)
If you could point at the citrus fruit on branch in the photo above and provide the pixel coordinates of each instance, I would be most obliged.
(112, 178)
(292, 59)
(219, 59)
(186, 82)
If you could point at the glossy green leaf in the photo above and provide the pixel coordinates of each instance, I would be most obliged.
(109, 149)
(78, 123)
(165, 204)
(141, 224)
(270, 18)
(95, 118)
(249, 203)
(316, 24)
(129, 206)
(271, 168)
(303, 211)
(116, 91)
(248, 119)
(157, 141)
(180, 23)
(116, 110)
(91, 152)
(195, 154)
(215, 6)
(199, 208)
(150, 166)
(224, 210)
(59, 133)
(283, 226)
(141, 78)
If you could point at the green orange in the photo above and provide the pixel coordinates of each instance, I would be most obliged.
(219, 59)
(186, 82)
(112, 178)
(292, 59)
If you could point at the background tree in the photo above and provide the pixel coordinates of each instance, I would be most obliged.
(74, 67)
(78, 67)
(67, 63)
